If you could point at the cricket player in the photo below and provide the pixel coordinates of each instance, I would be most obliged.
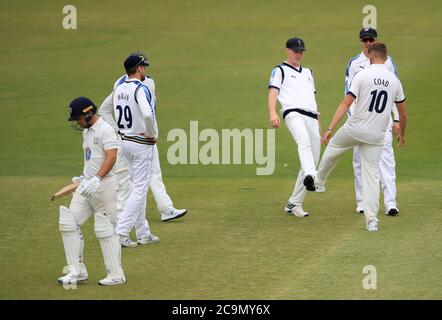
(95, 194)
(387, 163)
(164, 203)
(135, 114)
(375, 90)
(293, 85)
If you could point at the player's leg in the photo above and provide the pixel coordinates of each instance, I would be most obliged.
(137, 162)
(387, 170)
(69, 225)
(297, 125)
(370, 183)
(337, 146)
(164, 202)
(315, 141)
(358, 179)
(111, 250)
(294, 205)
(123, 183)
(104, 205)
(141, 224)
(105, 199)
(142, 228)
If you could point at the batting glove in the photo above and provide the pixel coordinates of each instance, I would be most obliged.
(77, 180)
(90, 187)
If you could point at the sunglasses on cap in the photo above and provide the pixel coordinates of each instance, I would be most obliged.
(142, 60)
(368, 39)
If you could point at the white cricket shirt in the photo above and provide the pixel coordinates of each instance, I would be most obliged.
(296, 87)
(376, 90)
(134, 109)
(106, 109)
(359, 63)
(96, 139)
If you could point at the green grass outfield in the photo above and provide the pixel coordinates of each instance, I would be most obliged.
(211, 61)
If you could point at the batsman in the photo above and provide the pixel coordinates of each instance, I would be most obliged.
(96, 195)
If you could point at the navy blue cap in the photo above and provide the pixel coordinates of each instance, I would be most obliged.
(296, 44)
(368, 33)
(135, 61)
(79, 106)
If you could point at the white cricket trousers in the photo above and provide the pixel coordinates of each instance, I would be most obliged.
(139, 162)
(102, 202)
(305, 131)
(162, 199)
(387, 170)
(370, 154)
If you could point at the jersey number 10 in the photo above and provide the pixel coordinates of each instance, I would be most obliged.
(376, 101)
(127, 117)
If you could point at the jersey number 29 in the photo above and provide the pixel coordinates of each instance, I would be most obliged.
(376, 101)
(124, 112)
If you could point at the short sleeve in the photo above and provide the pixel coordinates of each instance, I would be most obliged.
(106, 111)
(144, 99)
(391, 66)
(399, 96)
(120, 81)
(349, 74)
(313, 82)
(109, 139)
(153, 86)
(355, 85)
(276, 78)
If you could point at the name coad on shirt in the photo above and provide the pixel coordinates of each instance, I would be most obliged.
(378, 81)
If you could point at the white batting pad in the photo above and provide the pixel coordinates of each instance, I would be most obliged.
(72, 240)
(110, 246)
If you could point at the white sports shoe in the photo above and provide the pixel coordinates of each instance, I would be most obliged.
(83, 270)
(70, 278)
(372, 226)
(111, 281)
(173, 214)
(359, 209)
(295, 210)
(320, 188)
(127, 242)
(151, 238)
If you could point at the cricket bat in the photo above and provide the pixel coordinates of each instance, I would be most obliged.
(73, 186)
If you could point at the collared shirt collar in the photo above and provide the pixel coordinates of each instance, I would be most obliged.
(290, 66)
(363, 54)
(96, 124)
(382, 65)
(132, 80)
